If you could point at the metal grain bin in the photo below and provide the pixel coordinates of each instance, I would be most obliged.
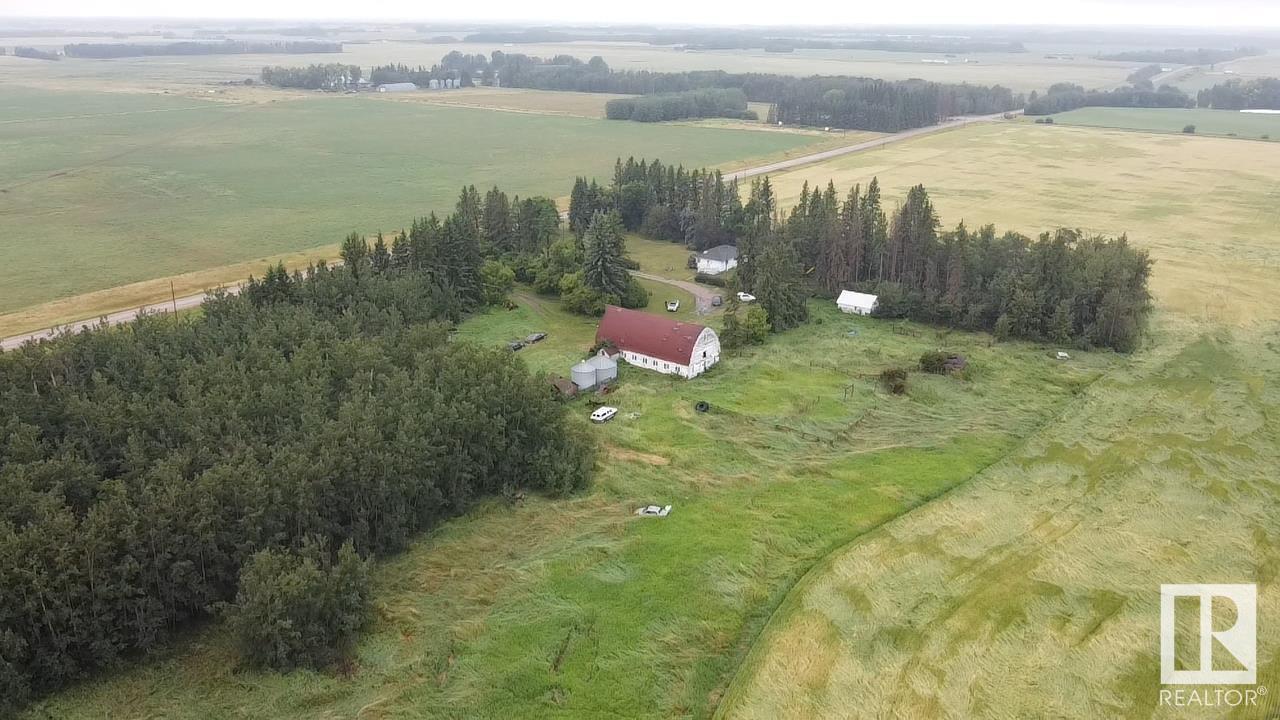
(584, 375)
(606, 368)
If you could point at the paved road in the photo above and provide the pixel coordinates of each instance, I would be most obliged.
(700, 292)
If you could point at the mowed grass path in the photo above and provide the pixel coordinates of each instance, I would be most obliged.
(125, 188)
(577, 608)
(1208, 209)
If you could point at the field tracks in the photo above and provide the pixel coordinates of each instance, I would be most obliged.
(755, 647)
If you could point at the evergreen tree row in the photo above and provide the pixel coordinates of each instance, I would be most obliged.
(708, 103)
(1062, 97)
(1237, 94)
(226, 47)
(332, 76)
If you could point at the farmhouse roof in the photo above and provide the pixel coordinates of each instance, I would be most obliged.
(856, 299)
(723, 253)
(652, 335)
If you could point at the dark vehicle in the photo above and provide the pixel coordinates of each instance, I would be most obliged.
(515, 346)
(716, 301)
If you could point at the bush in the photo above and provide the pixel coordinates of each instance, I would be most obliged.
(706, 279)
(894, 380)
(496, 280)
(751, 329)
(1189, 129)
(934, 362)
(635, 297)
(300, 608)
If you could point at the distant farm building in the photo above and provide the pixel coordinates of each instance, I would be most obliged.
(718, 259)
(856, 302)
(655, 342)
(397, 87)
(596, 371)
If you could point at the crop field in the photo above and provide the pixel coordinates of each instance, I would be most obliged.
(1206, 208)
(1248, 126)
(547, 102)
(124, 188)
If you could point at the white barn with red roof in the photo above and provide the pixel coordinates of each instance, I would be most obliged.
(658, 343)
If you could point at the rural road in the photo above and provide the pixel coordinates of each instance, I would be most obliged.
(702, 294)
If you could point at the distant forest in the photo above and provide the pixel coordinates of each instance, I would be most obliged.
(1184, 56)
(822, 101)
(1259, 94)
(1062, 97)
(740, 40)
(226, 47)
(333, 76)
(34, 54)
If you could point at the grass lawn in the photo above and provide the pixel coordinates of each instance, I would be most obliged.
(577, 608)
(137, 187)
(1249, 126)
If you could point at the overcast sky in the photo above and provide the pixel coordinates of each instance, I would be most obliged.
(1203, 13)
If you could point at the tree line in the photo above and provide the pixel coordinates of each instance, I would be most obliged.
(331, 76)
(1238, 94)
(1183, 56)
(708, 103)
(1063, 286)
(143, 465)
(35, 54)
(837, 101)
(1062, 97)
(226, 47)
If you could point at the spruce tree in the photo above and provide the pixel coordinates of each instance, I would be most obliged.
(603, 267)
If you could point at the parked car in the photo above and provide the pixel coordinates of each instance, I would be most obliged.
(654, 511)
(746, 297)
(535, 337)
(514, 346)
(673, 305)
(716, 301)
(604, 413)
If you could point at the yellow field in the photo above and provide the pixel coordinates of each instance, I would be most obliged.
(1206, 208)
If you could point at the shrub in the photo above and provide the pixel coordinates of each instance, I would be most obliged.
(1189, 129)
(300, 608)
(717, 280)
(496, 280)
(750, 329)
(894, 380)
(635, 297)
(934, 362)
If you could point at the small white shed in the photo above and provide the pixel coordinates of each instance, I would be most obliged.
(856, 302)
(397, 87)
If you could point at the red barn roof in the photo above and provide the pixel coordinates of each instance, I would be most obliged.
(648, 334)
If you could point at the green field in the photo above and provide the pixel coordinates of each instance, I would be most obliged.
(1249, 126)
(121, 188)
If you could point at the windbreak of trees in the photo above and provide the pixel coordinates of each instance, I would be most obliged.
(1141, 78)
(843, 102)
(665, 202)
(142, 466)
(420, 75)
(1066, 96)
(226, 47)
(695, 39)
(1063, 287)
(332, 76)
(712, 102)
(1184, 56)
(1237, 94)
(34, 54)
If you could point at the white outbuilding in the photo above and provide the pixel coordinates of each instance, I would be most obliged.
(721, 258)
(856, 302)
(397, 87)
(658, 343)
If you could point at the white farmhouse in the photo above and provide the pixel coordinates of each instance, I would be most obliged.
(397, 87)
(856, 302)
(657, 343)
(721, 258)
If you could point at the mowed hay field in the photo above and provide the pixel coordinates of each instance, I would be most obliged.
(1208, 209)
(103, 190)
(1245, 126)
(1033, 590)
(579, 609)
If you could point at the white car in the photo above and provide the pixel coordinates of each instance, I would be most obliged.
(604, 413)
(653, 511)
(673, 305)
(746, 297)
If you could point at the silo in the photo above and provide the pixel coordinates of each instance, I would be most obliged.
(606, 368)
(583, 375)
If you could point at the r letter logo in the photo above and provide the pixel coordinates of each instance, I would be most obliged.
(1239, 641)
